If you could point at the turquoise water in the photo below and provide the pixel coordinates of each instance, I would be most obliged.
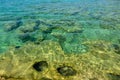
(70, 22)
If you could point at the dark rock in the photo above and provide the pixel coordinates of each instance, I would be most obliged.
(40, 22)
(45, 78)
(116, 48)
(113, 76)
(37, 23)
(17, 47)
(66, 71)
(93, 78)
(77, 31)
(50, 25)
(35, 28)
(26, 37)
(38, 41)
(75, 13)
(40, 66)
(47, 31)
(26, 30)
(16, 25)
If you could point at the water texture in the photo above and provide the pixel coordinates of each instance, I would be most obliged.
(67, 21)
(59, 39)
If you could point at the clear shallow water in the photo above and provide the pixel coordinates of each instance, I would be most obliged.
(98, 19)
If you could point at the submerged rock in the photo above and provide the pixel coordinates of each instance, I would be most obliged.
(26, 37)
(77, 31)
(26, 30)
(45, 78)
(75, 13)
(47, 31)
(116, 48)
(40, 66)
(37, 23)
(66, 71)
(113, 76)
(93, 78)
(17, 47)
(17, 24)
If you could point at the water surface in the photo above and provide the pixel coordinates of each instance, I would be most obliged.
(98, 20)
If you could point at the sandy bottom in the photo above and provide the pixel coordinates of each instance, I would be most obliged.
(100, 63)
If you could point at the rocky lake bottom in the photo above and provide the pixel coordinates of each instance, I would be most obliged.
(60, 40)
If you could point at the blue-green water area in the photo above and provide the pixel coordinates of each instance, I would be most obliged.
(69, 22)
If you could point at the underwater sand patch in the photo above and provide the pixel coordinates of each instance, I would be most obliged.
(17, 64)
